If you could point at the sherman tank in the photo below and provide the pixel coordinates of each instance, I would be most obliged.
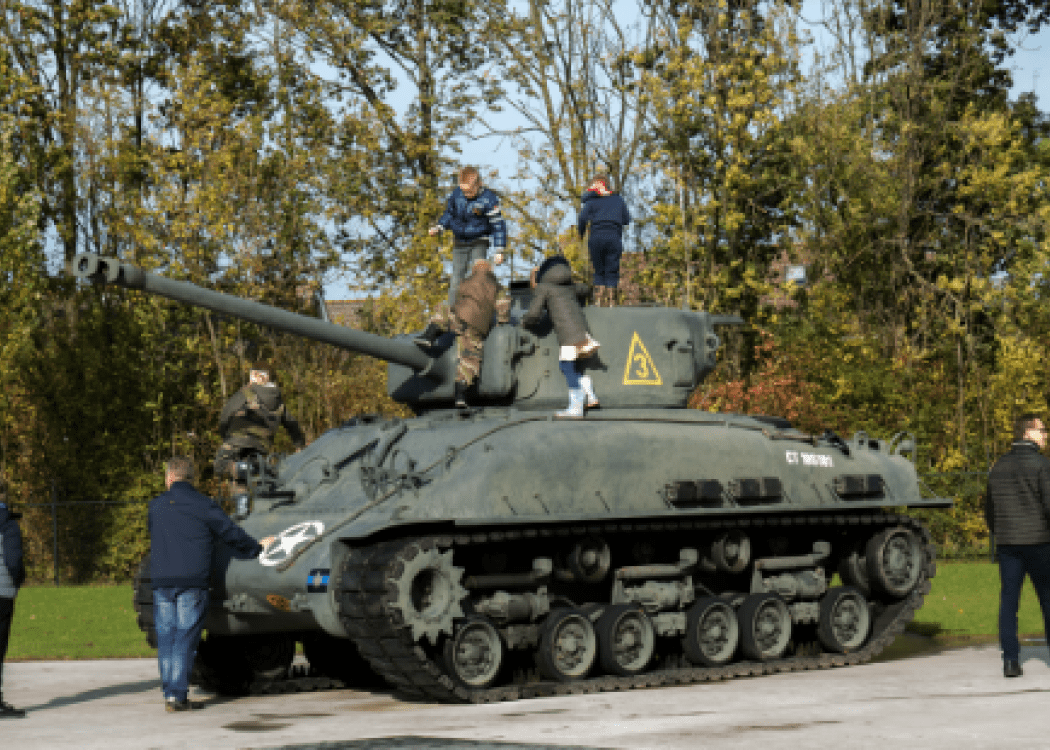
(501, 551)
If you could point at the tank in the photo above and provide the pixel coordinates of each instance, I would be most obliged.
(502, 552)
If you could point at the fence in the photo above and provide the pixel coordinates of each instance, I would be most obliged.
(79, 537)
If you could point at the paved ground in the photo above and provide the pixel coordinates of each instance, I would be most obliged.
(951, 700)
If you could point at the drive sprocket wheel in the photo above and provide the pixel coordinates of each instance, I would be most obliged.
(425, 589)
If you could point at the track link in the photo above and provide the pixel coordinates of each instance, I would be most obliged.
(366, 599)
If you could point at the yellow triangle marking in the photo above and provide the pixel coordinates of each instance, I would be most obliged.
(640, 369)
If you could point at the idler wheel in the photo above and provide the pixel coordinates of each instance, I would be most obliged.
(845, 620)
(895, 560)
(474, 654)
(568, 646)
(626, 639)
(765, 627)
(712, 633)
(426, 590)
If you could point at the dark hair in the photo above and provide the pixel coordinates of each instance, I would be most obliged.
(1023, 424)
(180, 469)
(3, 487)
(549, 263)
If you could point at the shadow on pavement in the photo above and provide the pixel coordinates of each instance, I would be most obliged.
(98, 694)
(420, 743)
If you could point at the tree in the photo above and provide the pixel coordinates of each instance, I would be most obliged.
(573, 87)
(720, 79)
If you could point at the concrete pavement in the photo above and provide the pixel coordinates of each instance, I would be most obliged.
(951, 699)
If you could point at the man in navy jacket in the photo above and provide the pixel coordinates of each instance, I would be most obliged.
(12, 576)
(184, 526)
(473, 214)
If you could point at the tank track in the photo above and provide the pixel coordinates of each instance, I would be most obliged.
(388, 645)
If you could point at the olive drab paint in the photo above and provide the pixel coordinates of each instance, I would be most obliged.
(439, 544)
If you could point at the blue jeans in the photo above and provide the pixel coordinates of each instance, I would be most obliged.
(572, 375)
(605, 250)
(463, 257)
(1014, 561)
(179, 618)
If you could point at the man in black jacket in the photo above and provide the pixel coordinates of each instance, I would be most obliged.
(12, 576)
(184, 526)
(1017, 509)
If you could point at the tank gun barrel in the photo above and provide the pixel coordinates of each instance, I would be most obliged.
(99, 269)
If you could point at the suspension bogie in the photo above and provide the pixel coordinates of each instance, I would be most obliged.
(496, 616)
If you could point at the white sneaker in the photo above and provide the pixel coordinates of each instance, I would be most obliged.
(588, 388)
(575, 409)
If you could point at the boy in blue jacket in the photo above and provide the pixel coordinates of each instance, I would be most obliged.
(473, 214)
(607, 214)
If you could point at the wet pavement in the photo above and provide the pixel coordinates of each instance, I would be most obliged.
(922, 695)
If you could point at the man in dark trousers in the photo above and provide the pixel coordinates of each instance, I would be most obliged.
(12, 576)
(247, 424)
(1017, 509)
(473, 215)
(184, 526)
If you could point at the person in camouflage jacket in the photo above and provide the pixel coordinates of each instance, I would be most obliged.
(480, 299)
(248, 424)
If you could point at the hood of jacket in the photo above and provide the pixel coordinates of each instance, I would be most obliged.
(555, 271)
(590, 195)
(268, 395)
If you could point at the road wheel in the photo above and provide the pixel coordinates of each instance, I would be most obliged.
(473, 655)
(894, 561)
(845, 620)
(626, 640)
(712, 633)
(765, 627)
(568, 646)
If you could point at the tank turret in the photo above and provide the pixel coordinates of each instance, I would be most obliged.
(649, 358)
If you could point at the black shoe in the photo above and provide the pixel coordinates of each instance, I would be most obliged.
(1012, 668)
(7, 711)
(461, 395)
(429, 336)
(174, 706)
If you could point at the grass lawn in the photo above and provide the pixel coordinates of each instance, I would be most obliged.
(94, 622)
(964, 601)
(75, 622)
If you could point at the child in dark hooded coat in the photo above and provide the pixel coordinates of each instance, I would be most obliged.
(556, 293)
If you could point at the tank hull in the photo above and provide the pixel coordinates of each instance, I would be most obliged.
(502, 507)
